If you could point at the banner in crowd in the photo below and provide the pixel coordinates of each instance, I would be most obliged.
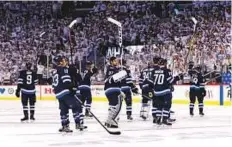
(216, 95)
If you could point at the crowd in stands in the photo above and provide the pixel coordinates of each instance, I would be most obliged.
(165, 29)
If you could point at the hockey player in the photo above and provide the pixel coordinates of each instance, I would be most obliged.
(113, 92)
(147, 90)
(63, 89)
(161, 80)
(175, 79)
(26, 84)
(127, 86)
(85, 88)
(197, 89)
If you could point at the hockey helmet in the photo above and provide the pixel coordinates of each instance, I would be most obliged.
(162, 61)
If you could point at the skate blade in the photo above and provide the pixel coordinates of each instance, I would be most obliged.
(32, 121)
(26, 121)
(87, 117)
(129, 120)
(66, 133)
(163, 126)
(144, 118)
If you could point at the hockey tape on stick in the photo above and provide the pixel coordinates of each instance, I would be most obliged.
(41, 35)
(114, 21)
(72, 23)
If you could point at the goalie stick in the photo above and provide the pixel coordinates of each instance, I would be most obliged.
(110, 132)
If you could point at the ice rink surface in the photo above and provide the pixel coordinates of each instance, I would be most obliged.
(215, 128)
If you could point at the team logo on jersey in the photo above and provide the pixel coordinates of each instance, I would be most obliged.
(150, 94)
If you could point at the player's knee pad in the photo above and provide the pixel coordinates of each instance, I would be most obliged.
(115, 110)
(32, 100)
(24, 102)
(168, 102)
(155, 102)
(200, 98)
(88, 96)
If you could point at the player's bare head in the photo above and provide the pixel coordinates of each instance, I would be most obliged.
(113, 61)
(156, 60)
(162, 62)
(88, 64)
(165, 61)
(28, 65)
(66, 60)
(60, 61)
(191, 64)
(150, 64)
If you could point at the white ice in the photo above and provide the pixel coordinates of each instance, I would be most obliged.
(214, 128)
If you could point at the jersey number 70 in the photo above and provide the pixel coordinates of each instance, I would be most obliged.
(159, 79)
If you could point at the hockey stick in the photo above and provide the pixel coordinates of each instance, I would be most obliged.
(69, 39)
(110, 132)
(119, 25)
(192, 39)
(145, 96)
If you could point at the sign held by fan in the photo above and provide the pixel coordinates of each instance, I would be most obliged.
(113, 52)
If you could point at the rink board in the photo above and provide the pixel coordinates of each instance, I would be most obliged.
(216, 94)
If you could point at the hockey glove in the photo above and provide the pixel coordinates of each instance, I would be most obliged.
(72, 91)
(135, 90)
(17, 93)
(172, 88)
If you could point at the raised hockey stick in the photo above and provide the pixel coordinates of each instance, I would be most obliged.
(69, 40)
(110, 132)
(119, 25)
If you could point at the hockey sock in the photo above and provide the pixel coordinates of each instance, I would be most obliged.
(25, 111)
(201, 106)
(191, 107)
(154, 112)
(128, 110)
(32, 110)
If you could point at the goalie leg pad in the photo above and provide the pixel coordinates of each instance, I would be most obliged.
(115, 102)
